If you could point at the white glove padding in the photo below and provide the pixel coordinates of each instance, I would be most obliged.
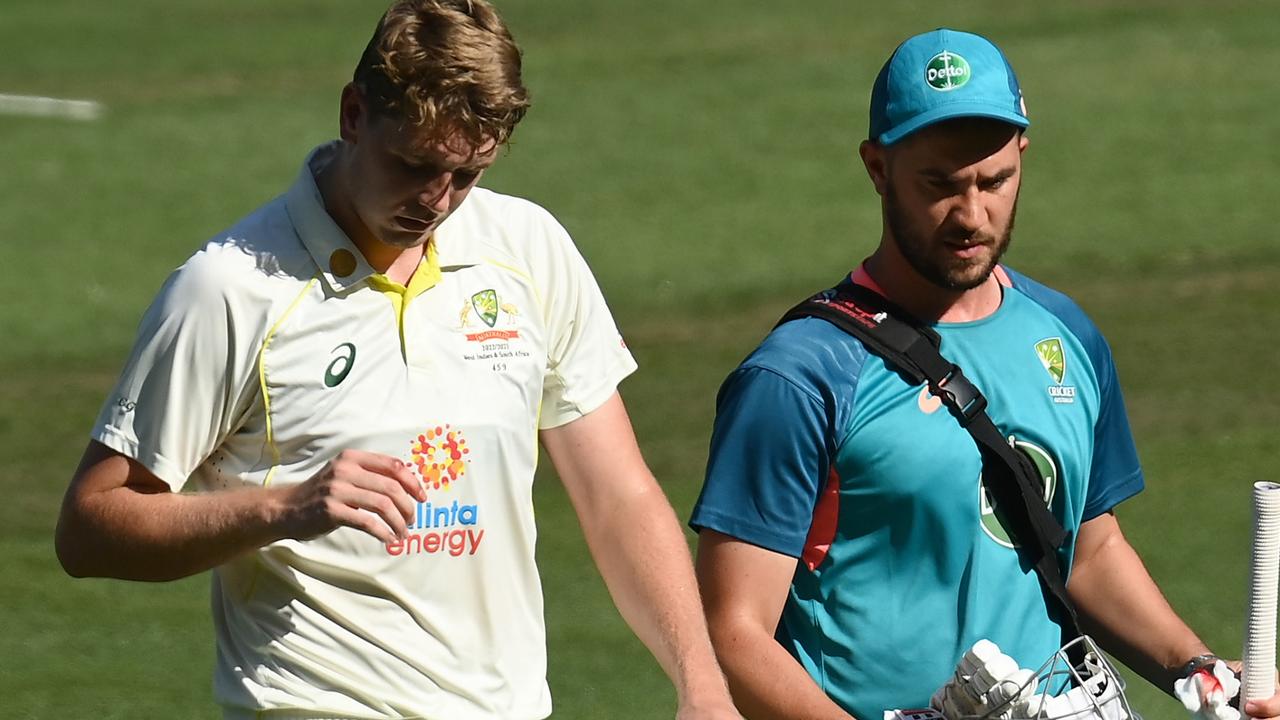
(925, 714)
(1206, 693)
(985, 680)
(955, 702)
(1016, 687)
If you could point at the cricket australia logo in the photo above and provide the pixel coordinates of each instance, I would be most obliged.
(1054, 360)
(1047, 470)
(485, 304)
(947, 71)
(489, 308)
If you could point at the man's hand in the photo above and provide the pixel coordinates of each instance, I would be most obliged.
(363, 490)
(1268, 709)
(985, 681)
(1208, 692)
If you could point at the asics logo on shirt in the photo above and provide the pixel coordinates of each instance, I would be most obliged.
(928, 402)
(341, 365)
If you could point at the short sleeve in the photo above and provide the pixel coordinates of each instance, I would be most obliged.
(586, 355)
(768, 458)
(1116, 474)
(179, 393)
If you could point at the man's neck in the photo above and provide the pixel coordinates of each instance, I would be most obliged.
(402, 268)
(926, 301)
(398, 264)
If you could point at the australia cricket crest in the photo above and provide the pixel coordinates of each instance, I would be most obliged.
(1054, 359)
(485, 304)
(499, 335)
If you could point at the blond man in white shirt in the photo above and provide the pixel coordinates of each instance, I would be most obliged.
(354, 378)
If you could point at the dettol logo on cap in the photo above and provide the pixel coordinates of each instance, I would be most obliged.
(947, 71)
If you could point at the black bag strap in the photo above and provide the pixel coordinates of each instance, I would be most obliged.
(912, 348)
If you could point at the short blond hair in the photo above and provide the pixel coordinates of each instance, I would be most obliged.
(445, 67)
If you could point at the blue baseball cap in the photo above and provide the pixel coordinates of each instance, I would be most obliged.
(941, 75)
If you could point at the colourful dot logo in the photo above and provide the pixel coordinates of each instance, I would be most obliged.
(947, 71)
(439, 454)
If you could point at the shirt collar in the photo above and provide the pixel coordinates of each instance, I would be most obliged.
(860, 276)
(340, 262)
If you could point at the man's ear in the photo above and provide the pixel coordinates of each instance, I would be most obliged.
(352, 111)
(873, 159)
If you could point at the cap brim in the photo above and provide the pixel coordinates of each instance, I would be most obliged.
(948, 112)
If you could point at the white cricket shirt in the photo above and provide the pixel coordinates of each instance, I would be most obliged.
(275, 347)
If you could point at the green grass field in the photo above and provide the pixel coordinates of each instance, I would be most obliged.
(704, 157)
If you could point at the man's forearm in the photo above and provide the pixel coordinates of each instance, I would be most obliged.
(119, 520)
(1122, 607)
(767, 682)
(744, 588)
(126, 534)
(640, 549)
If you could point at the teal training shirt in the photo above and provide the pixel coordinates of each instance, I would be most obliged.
(822, 452)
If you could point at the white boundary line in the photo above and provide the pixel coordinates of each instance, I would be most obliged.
(36, 106)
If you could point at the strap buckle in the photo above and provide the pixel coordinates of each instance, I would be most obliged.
(961, 397)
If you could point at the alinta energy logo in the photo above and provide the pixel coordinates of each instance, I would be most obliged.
(1048, 472)
(489, 308)
(947, 71)
(439, 456)
(1054, 360)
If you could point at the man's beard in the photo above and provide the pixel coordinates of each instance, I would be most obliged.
(929, 257)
